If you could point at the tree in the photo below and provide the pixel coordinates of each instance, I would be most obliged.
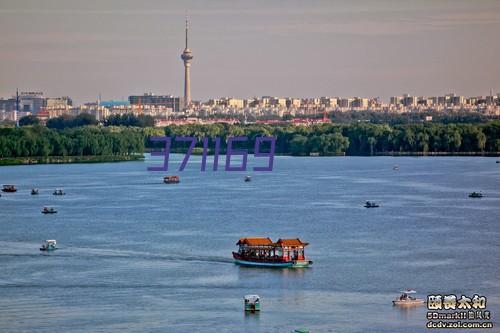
(29, 120)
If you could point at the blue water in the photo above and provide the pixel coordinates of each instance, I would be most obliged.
(137, 255)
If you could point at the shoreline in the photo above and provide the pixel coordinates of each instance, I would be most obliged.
(32, 160)
(9, 161)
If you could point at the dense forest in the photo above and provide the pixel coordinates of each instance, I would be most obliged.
(322, 139)
(79, 141)
(359, 138)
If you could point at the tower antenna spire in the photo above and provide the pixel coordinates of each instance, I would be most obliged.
(186, 30)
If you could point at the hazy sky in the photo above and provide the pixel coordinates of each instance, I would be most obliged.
(250, 48)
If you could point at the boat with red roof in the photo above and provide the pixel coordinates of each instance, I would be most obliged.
(263, 252)
(171, 180)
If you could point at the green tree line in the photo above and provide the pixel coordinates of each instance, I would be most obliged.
(357, 138)
(79, 141)
(321, 139)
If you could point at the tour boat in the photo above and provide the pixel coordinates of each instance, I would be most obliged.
(371, 204)
(9, 188)
(406, 300)
(49, 245)
(475, 195)
(49, 210)
(59, 191)
(252, 303)
(263, 252)
(34, 191)
(248, 178)
(171, 179)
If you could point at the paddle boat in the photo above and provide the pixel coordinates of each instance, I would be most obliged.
(371, 204)
(59, 191)
(34, 191)
(475, 195)
(263, 252)
(252, 303)
(171, 179)
(49, 245)
(248, 178)
(406, 300)
(9, 188)
(49, 210)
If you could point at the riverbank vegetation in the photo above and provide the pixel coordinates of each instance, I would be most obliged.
(360, 138)
(322, 139)
(39, 141)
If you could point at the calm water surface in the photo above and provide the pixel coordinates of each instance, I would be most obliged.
(137, 255)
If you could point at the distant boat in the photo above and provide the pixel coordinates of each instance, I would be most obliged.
(395, 167)
(371, 204)
(263, 252)
(9, 188)
(34, 191)
(248, 178)
(59, 191)
(406, 300)
(252, 303)
(49, 245)
(475, 195)
(49, 210)
(498, 161)
(171, 179)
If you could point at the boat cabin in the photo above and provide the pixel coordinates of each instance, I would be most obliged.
(265, 248)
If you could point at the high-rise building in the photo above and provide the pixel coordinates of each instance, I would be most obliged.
(187, 56)
(31, 102)
(166, 101)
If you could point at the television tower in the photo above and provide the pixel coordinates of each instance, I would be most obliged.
(187, 56)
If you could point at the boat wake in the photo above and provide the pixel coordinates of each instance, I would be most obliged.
(83, 252)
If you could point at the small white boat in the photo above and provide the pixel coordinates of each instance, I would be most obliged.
(49, 245)
(59, 191)
(371, 204)
(49, 210)
(406, 300)
(395, 167)
(252, 303)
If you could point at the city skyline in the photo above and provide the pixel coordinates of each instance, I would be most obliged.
(245, 50)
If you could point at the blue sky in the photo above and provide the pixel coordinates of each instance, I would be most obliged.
(250, 48)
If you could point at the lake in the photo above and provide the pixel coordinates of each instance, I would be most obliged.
(137, 255)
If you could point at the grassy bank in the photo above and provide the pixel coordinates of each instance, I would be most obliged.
(69, 159)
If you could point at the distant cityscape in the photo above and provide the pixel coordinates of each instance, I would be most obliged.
(168, 109)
